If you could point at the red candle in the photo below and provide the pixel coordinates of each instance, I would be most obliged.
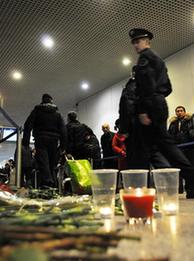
(138, 206)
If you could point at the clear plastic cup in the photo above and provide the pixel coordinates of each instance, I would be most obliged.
(103, 191)
(167, 182)
(135, 178)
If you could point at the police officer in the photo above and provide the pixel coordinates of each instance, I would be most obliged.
(48, 129)
(152, 86)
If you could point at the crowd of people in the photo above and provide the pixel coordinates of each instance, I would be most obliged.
(77, 139)
(7, 171)
(54, 138)
(142, 139)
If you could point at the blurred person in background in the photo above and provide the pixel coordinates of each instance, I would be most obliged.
(181, 129)
(106, 145)
(5, 173)
(82, 142)
(76, 132)
(119, 147)
(92, 148)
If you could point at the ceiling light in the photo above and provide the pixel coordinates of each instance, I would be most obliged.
(85, 85)
(47, 41)
(16, 75)
(126, 61)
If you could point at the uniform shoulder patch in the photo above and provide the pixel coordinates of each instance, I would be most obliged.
(143, 62)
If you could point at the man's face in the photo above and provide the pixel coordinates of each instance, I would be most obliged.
(180, 113)
(105, 129)
(140, 44)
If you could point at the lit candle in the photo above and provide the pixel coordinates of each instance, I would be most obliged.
(105, 211)
(139, 192)
(170, 207)
(138, 202)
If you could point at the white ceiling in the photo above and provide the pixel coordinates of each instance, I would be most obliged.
(91, 39)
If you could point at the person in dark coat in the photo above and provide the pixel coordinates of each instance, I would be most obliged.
(76, 136)
(181, 129)
(48, 129)
(181, 126)
(106, 145)
(132, 129)
(152, 86)
(82, 142)
(5, 173)
(92, 148)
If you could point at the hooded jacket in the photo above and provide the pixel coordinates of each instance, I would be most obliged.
(45, 119)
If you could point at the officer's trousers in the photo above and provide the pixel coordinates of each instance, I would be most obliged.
(141, 151)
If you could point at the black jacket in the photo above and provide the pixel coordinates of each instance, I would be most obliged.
(181, 130)
(92, 146)
(106, 143)
(152, 84)
(76, 135)
(127, 106)
(45, 119)
(82, 142)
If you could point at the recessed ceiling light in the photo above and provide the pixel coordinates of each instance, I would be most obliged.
(85, 85)
(47, 41)
(126, 61)
(16, 75)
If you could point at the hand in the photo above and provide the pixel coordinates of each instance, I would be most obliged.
(123, 154)
(63, 152)
(144, 119)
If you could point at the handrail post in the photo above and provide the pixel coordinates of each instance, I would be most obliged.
(18, 157)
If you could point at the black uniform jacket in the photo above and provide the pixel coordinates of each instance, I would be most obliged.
(127, 106)
(152, 85)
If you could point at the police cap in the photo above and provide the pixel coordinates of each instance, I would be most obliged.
(137, 33)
